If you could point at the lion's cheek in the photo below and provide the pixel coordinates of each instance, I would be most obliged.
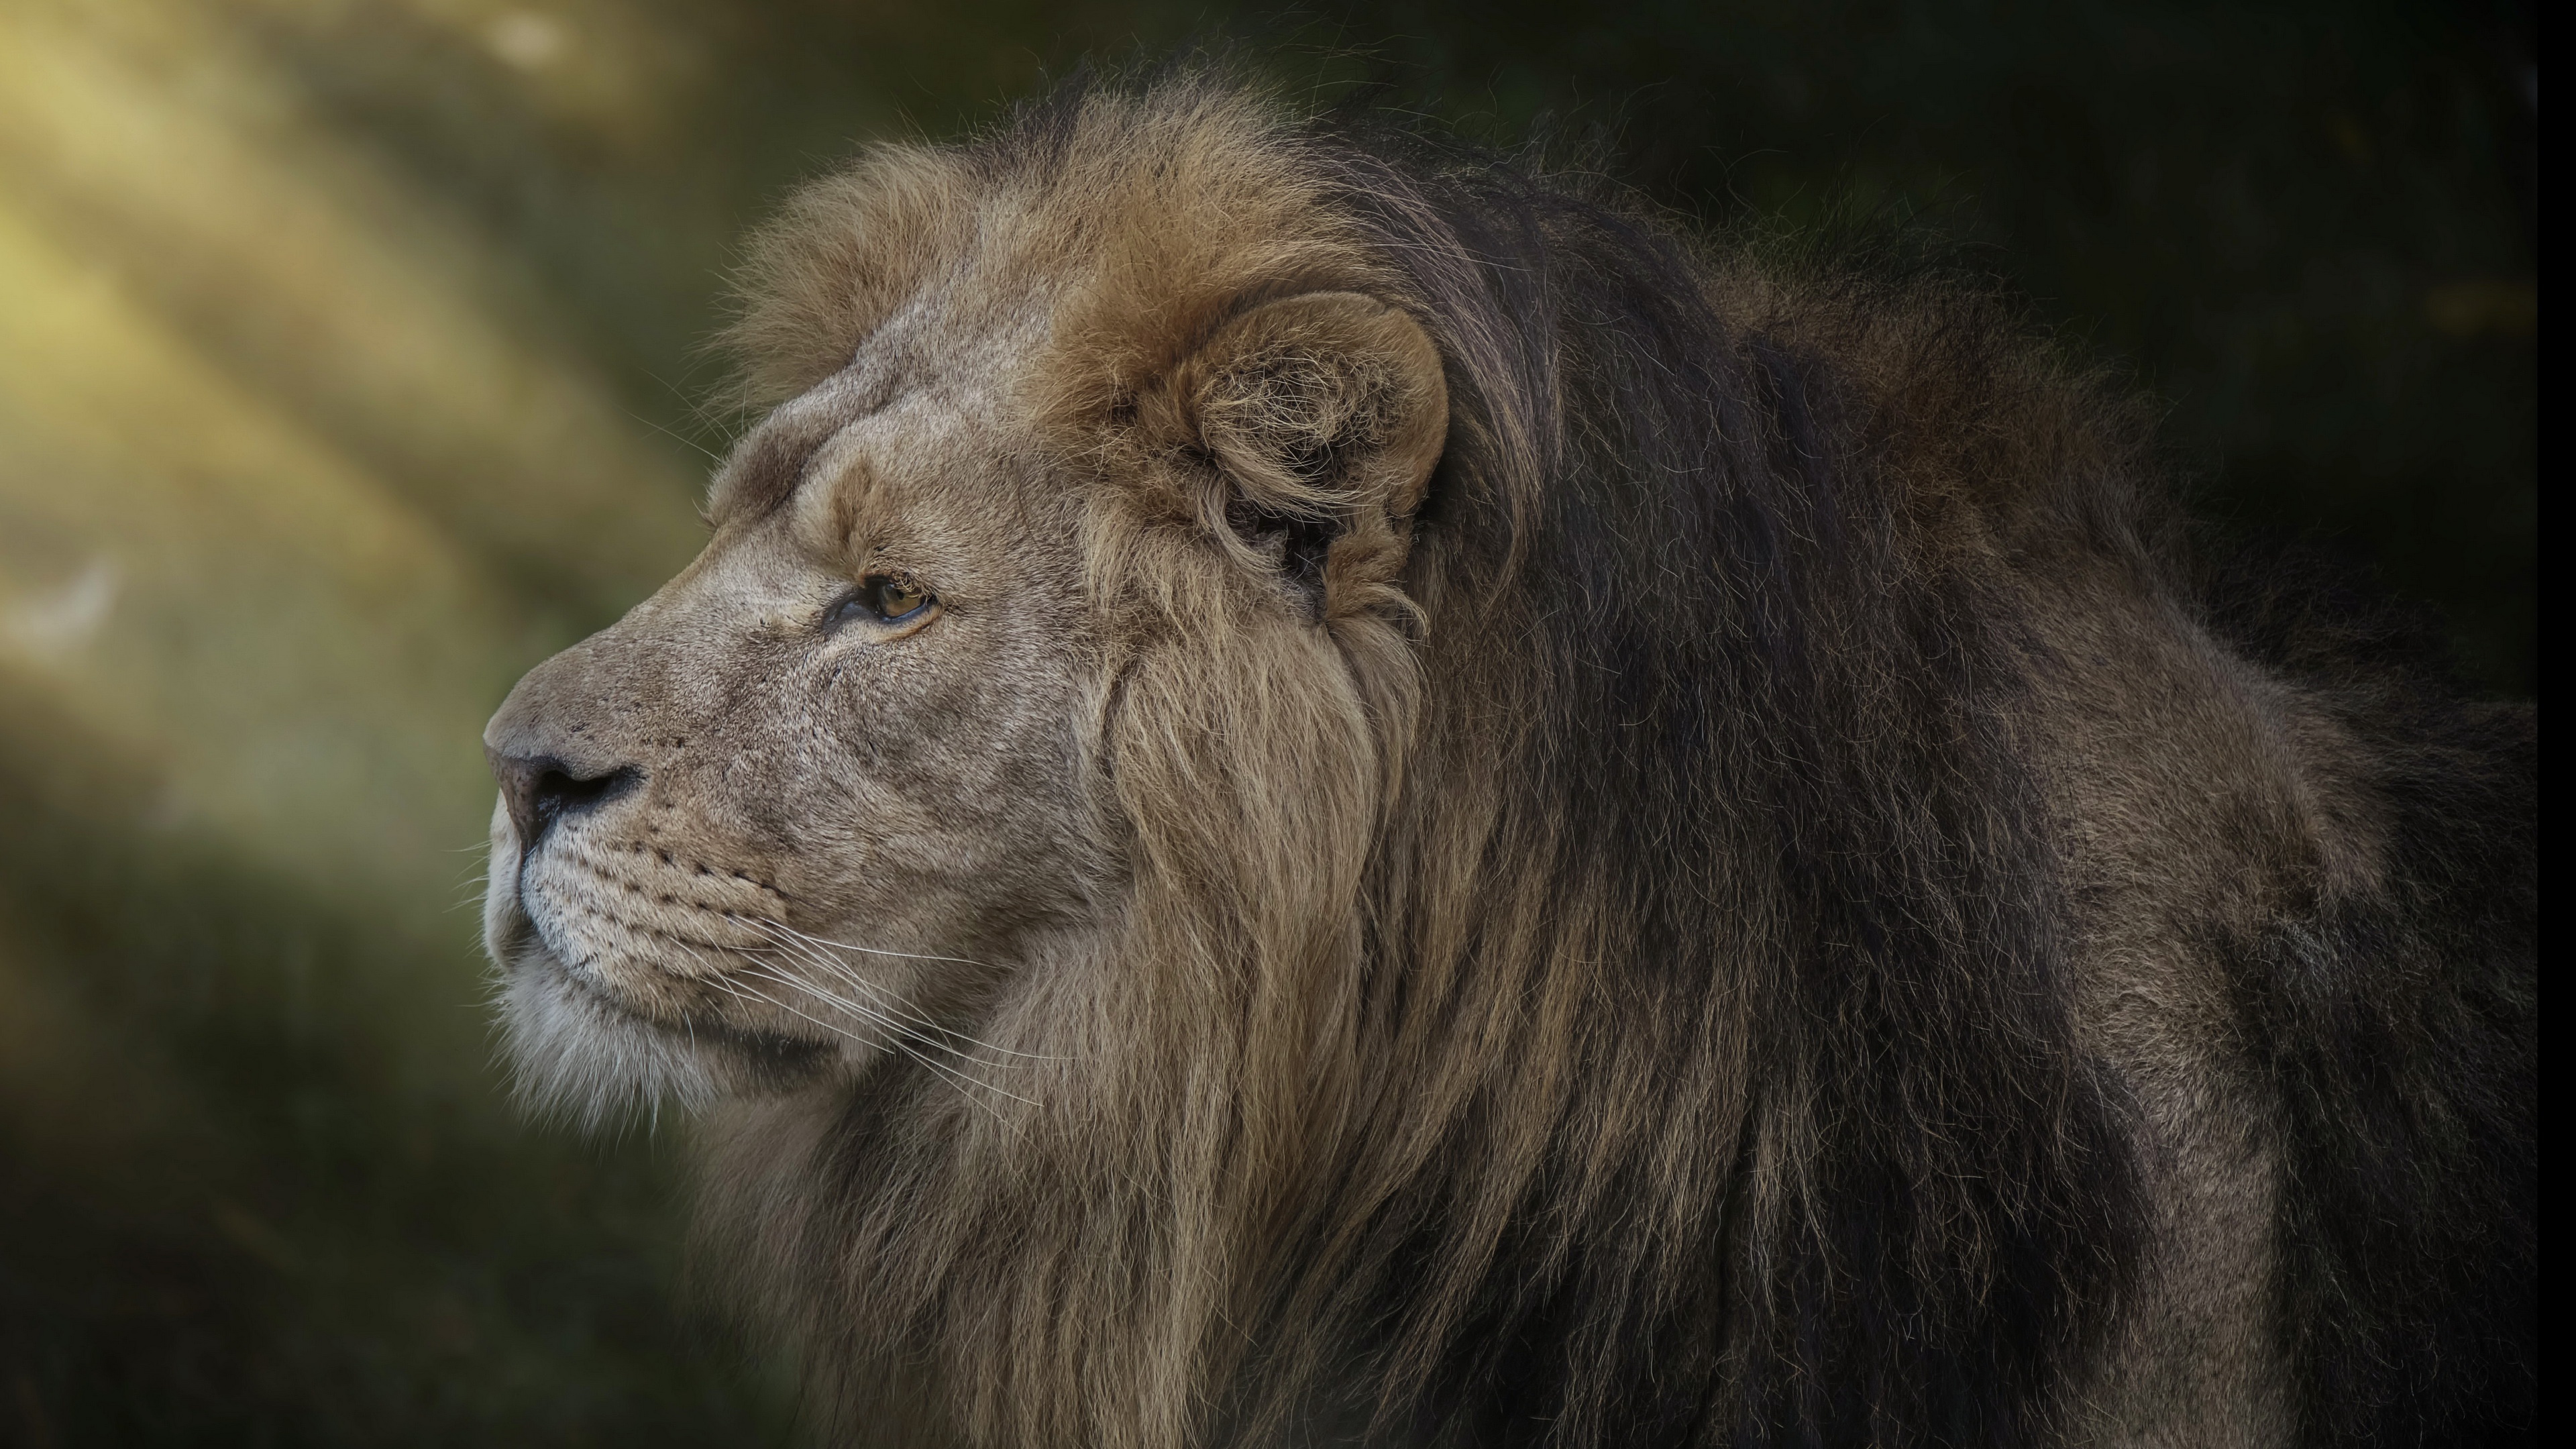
(914, 814)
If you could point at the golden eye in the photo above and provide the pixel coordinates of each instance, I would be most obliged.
(881, 599)
(895, 599)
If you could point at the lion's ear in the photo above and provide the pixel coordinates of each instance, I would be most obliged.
(1323, 415)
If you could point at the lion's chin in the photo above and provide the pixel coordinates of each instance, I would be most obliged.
(579, 1055)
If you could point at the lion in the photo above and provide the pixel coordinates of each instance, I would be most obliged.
(1319, 788)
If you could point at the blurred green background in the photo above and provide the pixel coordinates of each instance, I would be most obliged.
(348, 362)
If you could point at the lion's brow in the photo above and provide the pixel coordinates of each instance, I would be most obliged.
(766, 467)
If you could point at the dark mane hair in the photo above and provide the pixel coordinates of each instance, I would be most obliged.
(1717, 1054)
(1735, 549)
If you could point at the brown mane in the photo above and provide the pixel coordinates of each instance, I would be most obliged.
(1633, 969)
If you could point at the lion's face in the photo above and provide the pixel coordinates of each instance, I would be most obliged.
(1053, 577)
(813, 795)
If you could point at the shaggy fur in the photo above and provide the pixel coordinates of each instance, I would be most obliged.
(1507, 829)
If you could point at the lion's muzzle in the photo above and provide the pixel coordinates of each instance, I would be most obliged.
(541, 790)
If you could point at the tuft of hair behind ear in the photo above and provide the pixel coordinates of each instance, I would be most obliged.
(1322, 415)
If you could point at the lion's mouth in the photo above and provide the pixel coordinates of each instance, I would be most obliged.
(557, 926)
(772, 1049)
(617, 981)
(768, 1052)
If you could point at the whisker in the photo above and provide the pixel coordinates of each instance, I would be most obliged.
(746, 993)
(808, 948)
(877, 1014)
(901, 1038)
(892, 1001)
(896, 1038)
(873, 951)
(682, 439)
(857, 1008)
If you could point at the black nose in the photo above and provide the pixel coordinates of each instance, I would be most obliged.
(543, 790)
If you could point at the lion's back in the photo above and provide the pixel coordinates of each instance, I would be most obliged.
(2302, 880)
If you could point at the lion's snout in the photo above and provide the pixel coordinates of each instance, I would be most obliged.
(571, 738)
(541, 790)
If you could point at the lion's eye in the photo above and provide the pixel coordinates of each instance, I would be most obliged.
(896, 599)
(881, 599)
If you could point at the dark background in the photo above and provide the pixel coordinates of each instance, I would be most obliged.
(350, 363)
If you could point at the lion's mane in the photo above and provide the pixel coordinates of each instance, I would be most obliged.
(1613, 980)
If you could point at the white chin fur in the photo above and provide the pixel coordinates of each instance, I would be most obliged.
(581, 1061)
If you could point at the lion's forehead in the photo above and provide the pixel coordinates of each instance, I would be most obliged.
(926, 413)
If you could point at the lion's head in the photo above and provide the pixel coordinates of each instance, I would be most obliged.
(1043, 548)
(1313, 780)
